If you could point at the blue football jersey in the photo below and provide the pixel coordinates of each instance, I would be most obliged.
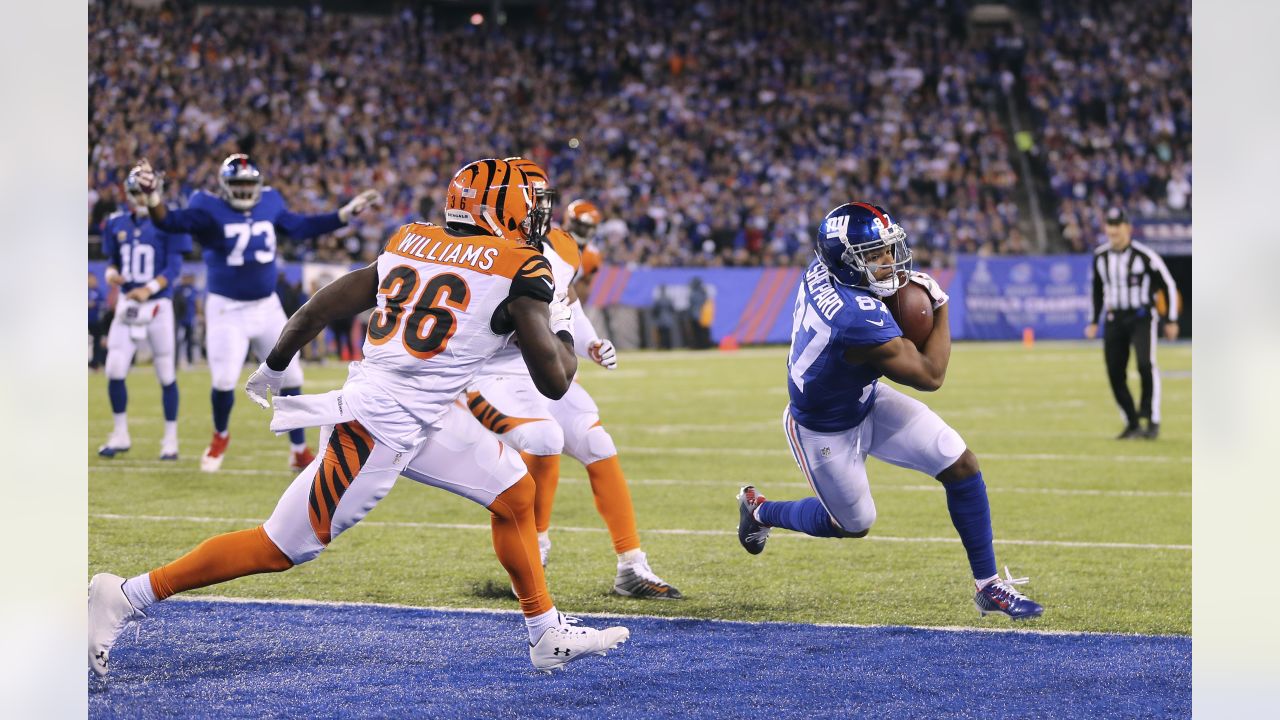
(240, 245)
(143, 252)
(828, 393)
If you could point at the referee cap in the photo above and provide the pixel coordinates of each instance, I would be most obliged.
(1116, 215)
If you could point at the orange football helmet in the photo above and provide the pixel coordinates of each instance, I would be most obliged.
(544, 196)
(494, 196)
(582, 219)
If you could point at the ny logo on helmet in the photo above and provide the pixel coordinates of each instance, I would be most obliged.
(838, 227)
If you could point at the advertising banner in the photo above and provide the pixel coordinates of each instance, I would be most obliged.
(997, 298)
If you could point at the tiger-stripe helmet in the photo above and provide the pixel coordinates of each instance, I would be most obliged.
(582, 220)
(544, 197)
(493, 196)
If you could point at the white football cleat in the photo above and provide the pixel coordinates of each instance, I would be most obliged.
(109, 612)
(636, 579)
(544, 548)
(567, 642)
(116, 444)
(169, 449)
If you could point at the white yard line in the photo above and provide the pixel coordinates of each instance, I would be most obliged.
(781, 452)
(165, 467)
(650, 531)
(514, 614)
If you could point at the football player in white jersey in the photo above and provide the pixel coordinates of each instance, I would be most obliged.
(445, 300)
(504, 399)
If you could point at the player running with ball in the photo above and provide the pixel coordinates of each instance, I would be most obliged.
(843, 340)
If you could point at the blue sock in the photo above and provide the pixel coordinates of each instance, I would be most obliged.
(119, 395)
(222, 402)
(971, 514)
(806, 516)
(169, 398)
(297, 436)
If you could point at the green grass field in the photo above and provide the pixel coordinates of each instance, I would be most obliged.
(1102, 527)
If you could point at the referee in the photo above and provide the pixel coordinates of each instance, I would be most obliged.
(1126, 276)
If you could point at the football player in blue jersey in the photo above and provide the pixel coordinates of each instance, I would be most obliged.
(843, 340)
(237, 230)
(144, 262)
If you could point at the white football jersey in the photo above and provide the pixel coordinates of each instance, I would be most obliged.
(440, 316)
(561, 253)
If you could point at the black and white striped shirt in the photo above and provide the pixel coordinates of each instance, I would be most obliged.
(1128, 280)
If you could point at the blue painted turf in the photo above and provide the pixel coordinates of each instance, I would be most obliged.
(221, 659)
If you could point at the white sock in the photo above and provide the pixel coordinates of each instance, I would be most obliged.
(295, 447)
(222, 434)
(138, 590)
(630, 556)
(983, 583)
(171, 430)
(539, 624)
(544, 538)
(121, 423)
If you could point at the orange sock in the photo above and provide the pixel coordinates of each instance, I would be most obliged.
(219, 559)
(545, 470)
(613, 501)
(516, 543)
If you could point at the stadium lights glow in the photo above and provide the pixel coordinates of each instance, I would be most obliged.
(477, 19)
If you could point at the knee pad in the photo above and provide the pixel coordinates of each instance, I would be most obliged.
(117, 365)
(859, 525)
(540, 437)
(165, 368)
(592, 445)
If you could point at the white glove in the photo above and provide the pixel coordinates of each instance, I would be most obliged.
(931, 286)
(603, 353)
(359, 204)
(561, 317)
(262, 384)
(151, 182)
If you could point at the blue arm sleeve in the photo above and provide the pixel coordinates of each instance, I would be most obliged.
(109, 245)
(189, 220)
(300, 227)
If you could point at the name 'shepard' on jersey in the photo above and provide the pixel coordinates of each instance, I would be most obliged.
(142, 252)
(828, 393)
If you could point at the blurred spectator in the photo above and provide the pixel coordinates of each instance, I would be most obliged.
(713, 132)
(290, 294)
(186, 302)
(1110, 89)
(97, 306)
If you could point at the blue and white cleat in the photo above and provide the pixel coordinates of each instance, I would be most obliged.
(169, 449)
(117, 444)
(751, 533)
(998, 597)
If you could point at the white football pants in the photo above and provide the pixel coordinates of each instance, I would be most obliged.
(233, 327)
(158, 333)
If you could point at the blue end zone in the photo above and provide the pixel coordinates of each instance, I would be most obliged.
(229, 659)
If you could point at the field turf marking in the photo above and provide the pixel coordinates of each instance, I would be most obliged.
(168, 467)
(644, 450)
(652, 531)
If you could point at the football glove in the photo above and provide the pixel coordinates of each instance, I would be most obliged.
(931, 286)
(359, 204)
(603, 353)
(561, 317)
(151, 182)
(262, 384)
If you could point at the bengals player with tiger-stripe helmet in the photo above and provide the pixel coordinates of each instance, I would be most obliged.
(445, 300)
(505, 401)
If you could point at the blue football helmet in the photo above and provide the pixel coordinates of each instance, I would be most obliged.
(241, 182)
(848, 233)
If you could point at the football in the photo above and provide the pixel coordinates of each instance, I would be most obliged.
(913, 309)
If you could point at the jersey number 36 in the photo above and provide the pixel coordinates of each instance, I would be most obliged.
(430, 320)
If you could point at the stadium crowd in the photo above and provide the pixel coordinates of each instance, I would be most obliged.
(709, 132)
(1110, 88)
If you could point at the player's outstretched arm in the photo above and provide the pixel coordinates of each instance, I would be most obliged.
(345, 297)
(545, 343)
(902, 363)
